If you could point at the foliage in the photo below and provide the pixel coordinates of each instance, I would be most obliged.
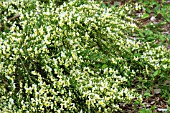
(156, 31)
(156, 7)
(145, 111)
(77, 57)
(159, 12)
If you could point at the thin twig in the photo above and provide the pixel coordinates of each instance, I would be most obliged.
(27, 73)
(14, 17)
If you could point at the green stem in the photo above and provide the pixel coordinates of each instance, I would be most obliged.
(26, 71)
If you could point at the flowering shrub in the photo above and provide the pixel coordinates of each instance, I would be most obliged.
(74, 58)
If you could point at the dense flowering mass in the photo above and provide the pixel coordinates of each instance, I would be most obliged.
(77, 57)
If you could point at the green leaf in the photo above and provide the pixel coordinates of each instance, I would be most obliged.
(137, 54)
(147, 94)
(148, 10)
(169, 101)
(145, 15)
(145, 110)
(141, 111)
(156, 73)
(104, 66)
(137, 102)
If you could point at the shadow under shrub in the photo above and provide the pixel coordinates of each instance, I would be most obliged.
(77, 57)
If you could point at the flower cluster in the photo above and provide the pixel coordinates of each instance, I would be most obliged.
(77, 57)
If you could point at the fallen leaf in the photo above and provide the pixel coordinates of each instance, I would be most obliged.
(157, 91)
(162, 109)
(166, 82)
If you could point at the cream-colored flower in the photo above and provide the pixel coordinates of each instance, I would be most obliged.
(101, 102)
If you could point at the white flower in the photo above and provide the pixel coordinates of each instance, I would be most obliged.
(11, 101)
(63, 54)
(29, 49)
(74, 55)
(87, 36)
(15, 50)
(61, 23)
(101, 102)
(41, 30)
